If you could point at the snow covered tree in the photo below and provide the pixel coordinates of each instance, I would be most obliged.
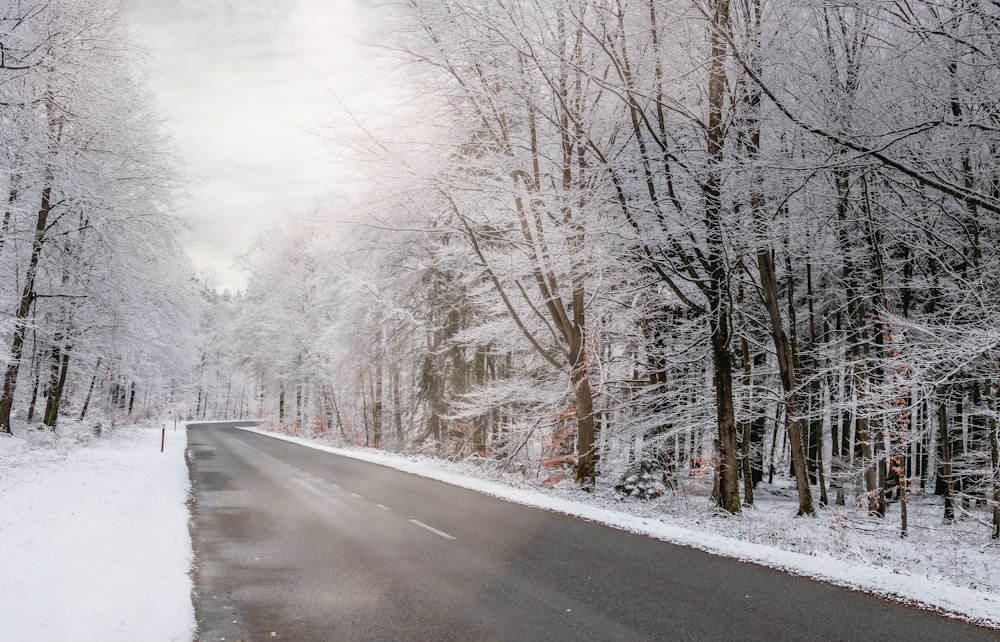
(86, 229)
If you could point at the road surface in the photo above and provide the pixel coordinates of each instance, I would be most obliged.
(297, 544)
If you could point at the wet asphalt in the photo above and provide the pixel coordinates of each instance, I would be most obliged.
(292, 543)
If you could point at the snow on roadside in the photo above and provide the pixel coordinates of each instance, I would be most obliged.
(94, 542)
(826, 550)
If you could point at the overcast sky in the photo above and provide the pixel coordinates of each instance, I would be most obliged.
(244, 86)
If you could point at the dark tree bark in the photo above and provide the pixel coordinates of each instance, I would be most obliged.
(90, 390)
(944, 477)
(36, 377)
(24, 307)
(719, 294)
(377, 403)
(397, 409)
(60, 366)
(994, 481)
(793, 420)
(746, 425)
(15, 180)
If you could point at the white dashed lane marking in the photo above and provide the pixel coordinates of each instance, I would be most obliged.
(304, 484)
(310, 479)
(432, 529)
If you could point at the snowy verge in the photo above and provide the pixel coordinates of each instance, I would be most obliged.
(94, 541)
(920, 590)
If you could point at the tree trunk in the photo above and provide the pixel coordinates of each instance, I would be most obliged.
(995, 461)
(364, 412)
(944, 472)
(56, 391)
(23, 308)
(300, 402)
(36, 368)
(793, 420)
(340, 422)
(728, 496)
(480, 425)
(397, 410)
(746, 424)
(816, 433)
(994, 436)
(15, 179)
(586, 431)
(90, 390)
(718, 294)
(377, 403)
(229, 390)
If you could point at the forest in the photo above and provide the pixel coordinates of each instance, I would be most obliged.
(98, 296)
(622, 239)
(605, 243)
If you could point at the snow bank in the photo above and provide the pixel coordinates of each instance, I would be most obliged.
(94, 543)
(828, 552)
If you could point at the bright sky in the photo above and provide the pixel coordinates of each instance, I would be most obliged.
(244, 86)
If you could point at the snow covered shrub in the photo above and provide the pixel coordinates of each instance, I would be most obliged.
(641, 480)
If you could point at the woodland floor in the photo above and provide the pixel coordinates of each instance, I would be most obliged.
(94, 541)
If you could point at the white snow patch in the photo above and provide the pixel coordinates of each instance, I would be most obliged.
(94, 542)
(866, 557)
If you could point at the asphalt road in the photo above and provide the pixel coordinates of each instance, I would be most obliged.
(297, 544)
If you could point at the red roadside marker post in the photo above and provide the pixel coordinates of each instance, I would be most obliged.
(163, 437)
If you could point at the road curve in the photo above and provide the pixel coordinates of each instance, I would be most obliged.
(294, 543)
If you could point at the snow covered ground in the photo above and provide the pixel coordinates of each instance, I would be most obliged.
(94, 543)
(953, 569)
